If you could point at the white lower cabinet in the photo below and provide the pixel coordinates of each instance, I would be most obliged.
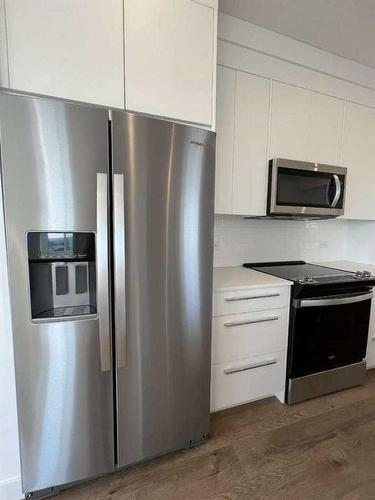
(247, 379)
(248, 334)
(249, 345)
(370, 354)
(258, 299)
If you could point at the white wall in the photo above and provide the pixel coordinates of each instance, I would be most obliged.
(239, 240)
(10, 473)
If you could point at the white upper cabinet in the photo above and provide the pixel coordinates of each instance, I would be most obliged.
(156, 57)
(225, 92)
(67, 48)
(301, 125)
(4, 82)
(241, 142)
(250, 144)
(358, 155)
(170, 59)
(305, 125)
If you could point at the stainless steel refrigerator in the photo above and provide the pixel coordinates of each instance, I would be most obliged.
(109, 222)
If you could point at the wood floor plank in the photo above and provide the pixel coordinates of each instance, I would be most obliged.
(322, 449)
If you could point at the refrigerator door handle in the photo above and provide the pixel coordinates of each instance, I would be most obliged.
(119, 267)
(102, 266)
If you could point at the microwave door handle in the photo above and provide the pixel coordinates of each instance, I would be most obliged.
(337, 190)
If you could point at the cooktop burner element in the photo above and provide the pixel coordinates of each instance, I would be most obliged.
(309, 274)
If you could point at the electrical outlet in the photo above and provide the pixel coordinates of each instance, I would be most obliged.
(323, 244)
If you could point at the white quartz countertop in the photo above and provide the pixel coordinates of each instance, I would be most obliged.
(240, 278)
(348, 265)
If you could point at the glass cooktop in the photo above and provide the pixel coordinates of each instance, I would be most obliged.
(302, 272)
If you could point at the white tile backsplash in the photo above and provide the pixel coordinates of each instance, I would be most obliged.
(361, 241)
(238, 240)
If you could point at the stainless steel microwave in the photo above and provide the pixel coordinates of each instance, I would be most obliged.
(302, 189)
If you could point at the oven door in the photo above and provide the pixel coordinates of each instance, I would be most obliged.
(301, 188)
(328, 332)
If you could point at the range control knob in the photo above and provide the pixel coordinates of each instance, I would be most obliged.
(359, 274)
(306, 279)
(366, 274)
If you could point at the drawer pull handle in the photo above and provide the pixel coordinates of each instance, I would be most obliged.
(251, 366)
(251, 321)
(250, 297)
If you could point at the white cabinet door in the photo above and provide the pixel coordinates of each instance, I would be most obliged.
(241, 142)
(170, 59)
(247, 379)
(305, 125)
(370, 353)
(358, 155)
(4, 82)
(250, 168)
(224, 139)
(67, 48)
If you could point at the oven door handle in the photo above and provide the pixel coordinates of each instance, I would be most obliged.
(333, 301)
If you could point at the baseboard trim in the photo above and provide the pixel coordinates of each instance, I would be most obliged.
(11, 489)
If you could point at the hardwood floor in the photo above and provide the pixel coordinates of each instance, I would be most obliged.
(320, 449)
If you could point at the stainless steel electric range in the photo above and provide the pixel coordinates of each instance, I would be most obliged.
(328, 328)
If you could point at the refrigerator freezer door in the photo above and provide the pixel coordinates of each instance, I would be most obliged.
(51, 153)
(163, 384)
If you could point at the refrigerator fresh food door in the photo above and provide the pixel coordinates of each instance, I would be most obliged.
(163, 188)
(54, 159)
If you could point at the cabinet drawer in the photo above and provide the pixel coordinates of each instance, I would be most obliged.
(249, 334)
(239, 382)
(370, 353)
(254, 299)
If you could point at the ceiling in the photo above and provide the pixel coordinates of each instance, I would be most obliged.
(343, 27)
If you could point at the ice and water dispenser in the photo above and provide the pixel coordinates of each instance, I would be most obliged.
(62, 274)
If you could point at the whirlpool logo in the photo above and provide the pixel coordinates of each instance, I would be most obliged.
(198, 144)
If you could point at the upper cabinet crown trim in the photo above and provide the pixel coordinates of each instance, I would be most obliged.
(253, 37)
(4, 69)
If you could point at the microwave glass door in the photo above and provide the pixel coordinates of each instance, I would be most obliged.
(309, 188)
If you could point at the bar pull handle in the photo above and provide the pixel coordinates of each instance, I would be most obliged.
(102, 290)
(250, 321)
(250, 366)
(337, 190)
(334, 300)
(119, 268)
(251, 297)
